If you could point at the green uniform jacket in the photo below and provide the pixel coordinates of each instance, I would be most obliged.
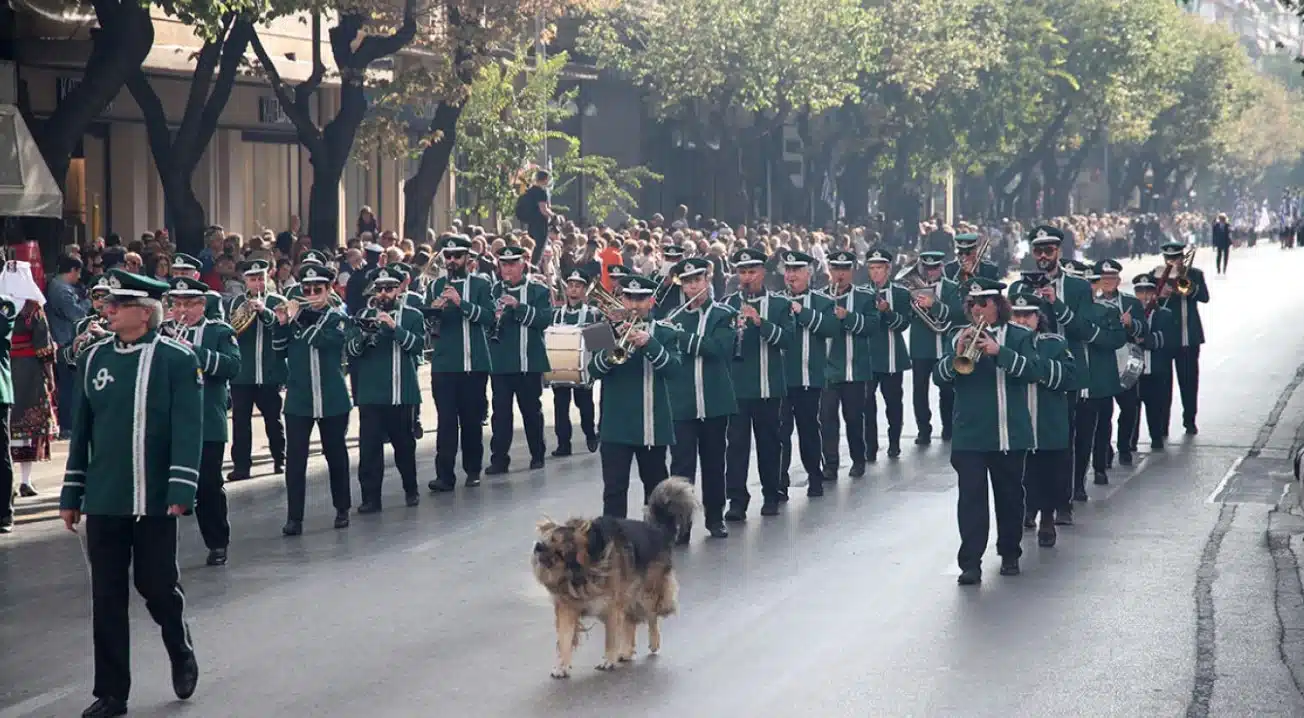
(218, 354)
(986, 269)
(65, 352)
(947, 310)
(1187, 311)
(700, 387)
(520, 347)
(316, 385)
(991, 404)
(760, 373)
(576, 315)
(1049, 404)
(386, 361)
(806, 358)
(1069, 314)
(1159, 341)
(1100, 364)
(1126, 303)
(888, 346)
(136, 435)
(214, 311)
(849, 352)
(6, 371)
(262, 345)
(462, 345)
(668, 295)
(642, 382)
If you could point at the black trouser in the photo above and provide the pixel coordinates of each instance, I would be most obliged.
(6, 469)
(1005, 470)
(527, 388)
(1129, 417)
(1186, 363)
(616, 461)
(1157, 396)
(703, 438)
(298, 432)
(922, 380)
(144, 547)
(891, 386)
(1092, 441)
(801, 407)
(561, 404)
(459, 407)
(1048, 481)
(759, 417)
(244, 397)
(376, 424)
(850, 396)
(1222, 253)
(1075, 401)
(210, 497)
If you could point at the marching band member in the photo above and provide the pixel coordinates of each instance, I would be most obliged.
(669, 295)
(1048, 469)
(966, 258)
(993, 428)
(890, 356)
(519, 359)
(759, 382)
(214, 345)
(849, 366)
(1186, 309)
(316, 392)
(638, 379)
(1100, 386)
(806, 363)
(940, 301)
(384, 341)
(1156, 383)
(1132, 313)
(262, 373)
(575, 311)
(184, 265)
(702, 395)
(461, 309)
(89, 328)
(133, 468)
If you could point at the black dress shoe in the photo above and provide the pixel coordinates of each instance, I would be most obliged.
(278, 466)
(496, 469)
(1102, 479)
(770, 508)
(592, 444)
(105, 708)
(946, 434)
(814, 490)
(369, 507)
(185, 676)
(857, 470)
(923, 440)
(292, 528)
(1124, 458)
(1046, 537)
(237, 476)
(7, 526)
(536, 463)
(27, 491)
(831, 477)
(735, 514)
(1009, 567)
(561, 451)
(472, 480)
(717, 530)
(893, 450)
(341, 519)
(412, 499)
(216, 557)
(970, 577)
(1191, 430)
(1080, 495)
(440, 486)
(1157, 444)
(1064, 517)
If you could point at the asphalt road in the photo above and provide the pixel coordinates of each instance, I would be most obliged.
(1163, 600)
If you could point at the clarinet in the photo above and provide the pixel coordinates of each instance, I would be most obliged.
(740, 328)
(496, 330)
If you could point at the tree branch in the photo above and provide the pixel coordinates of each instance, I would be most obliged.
(201, 80)
(156, 122)
(232, 53)
(374, 47)
(304, 90)
(309, 134)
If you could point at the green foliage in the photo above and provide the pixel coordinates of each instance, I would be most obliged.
(504, 124)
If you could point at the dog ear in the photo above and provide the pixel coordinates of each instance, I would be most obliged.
(545, 525)
(597, 541)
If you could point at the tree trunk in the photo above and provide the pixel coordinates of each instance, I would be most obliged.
(324, 196)
(853, 187)
(419, 191)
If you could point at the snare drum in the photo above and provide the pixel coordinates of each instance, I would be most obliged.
(567, 356)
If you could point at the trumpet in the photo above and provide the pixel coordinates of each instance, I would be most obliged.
(967, 352)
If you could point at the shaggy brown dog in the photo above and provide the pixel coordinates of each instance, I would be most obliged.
(615, 569)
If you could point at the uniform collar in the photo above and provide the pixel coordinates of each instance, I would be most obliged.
(145, 339)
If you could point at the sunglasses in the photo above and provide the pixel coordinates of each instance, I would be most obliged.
(978, 302)
(1044, 251)
(311, 289)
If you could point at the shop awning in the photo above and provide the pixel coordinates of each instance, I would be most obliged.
(27, 189)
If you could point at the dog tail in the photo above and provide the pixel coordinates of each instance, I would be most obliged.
(671, 505)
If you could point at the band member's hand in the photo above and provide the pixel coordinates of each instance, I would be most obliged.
(257, 305)
(639, 339)
(796, 308)
(1127, 319)
(507, 301)
(883, 306)
(176, 510)
(386, 319)
(1166, 291)
(450, 294)
(1047, 292)
(841, 312)
(282, 314)
(749, 313)
(70, 517)
(988, 345)
(924, 301)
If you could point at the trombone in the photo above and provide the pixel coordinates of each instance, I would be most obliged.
(911, 278)
(1183, 284)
